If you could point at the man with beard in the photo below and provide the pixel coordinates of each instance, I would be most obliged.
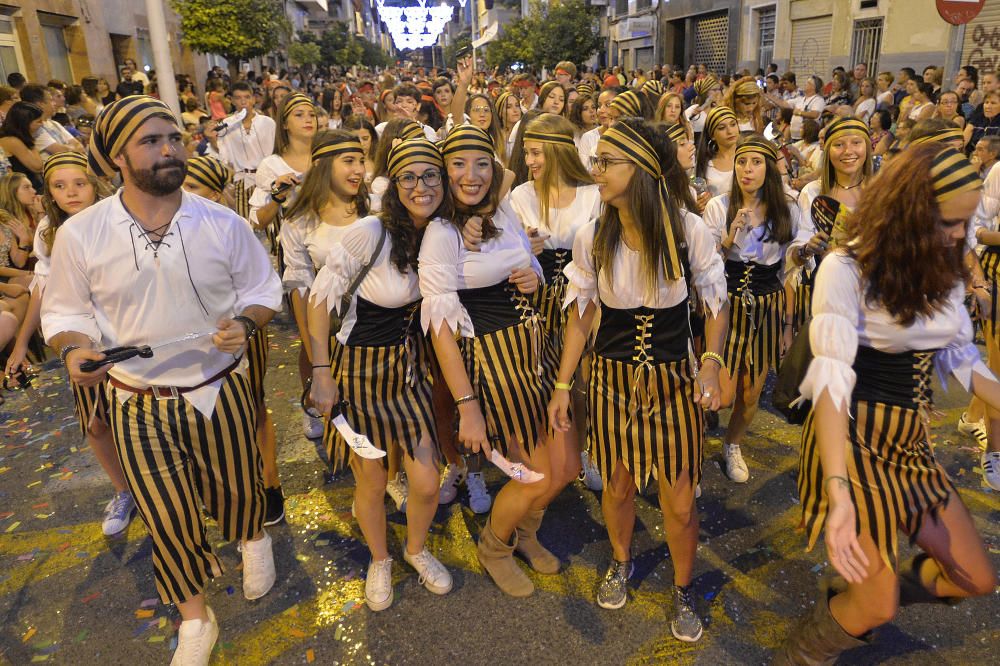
(156, 266)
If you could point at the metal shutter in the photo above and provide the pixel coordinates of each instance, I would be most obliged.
(981, 46)
(811, 47)
(711, 41)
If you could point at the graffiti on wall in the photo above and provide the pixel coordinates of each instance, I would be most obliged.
(806, 57)
(985, 53)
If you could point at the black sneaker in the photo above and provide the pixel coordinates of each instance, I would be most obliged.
(275, 502)
(612, 592)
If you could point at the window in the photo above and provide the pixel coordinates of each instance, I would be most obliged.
(10, 60)
(55, 47)
(711, 41)
(765, 36)
(621, 7)
(642, 4)
(867, 43)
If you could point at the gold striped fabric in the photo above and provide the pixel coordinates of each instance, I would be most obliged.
(63, 160)
(802, 306)
(940, 136)
(658, 428)
(554, 139)
(747, 88)
(675, 132)
(91, 403)
(413, 151)
(754, 337)
(715, 118)
(703, 86)
(548, 299)
(209, 171)
(411, 130)
(467, 137)
(503, 368)
(843, 126)
(501, 106)
(257, 353)
(627, 104)
(382, 406)
(242, 193)
(116, 124)
(585, 89)
(292, 102)
(990, 262)
(952, 174)
(652, 87)
(332, 144)
(176, 461)
(754, 145)
(895, 480)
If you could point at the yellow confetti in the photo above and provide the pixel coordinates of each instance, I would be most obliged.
(28, 634)
(13, 527)
(310, 656)
(144, 613)
(163, 623)
(34, 483)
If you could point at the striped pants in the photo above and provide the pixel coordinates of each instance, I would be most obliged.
(242, 193)
(176, 461)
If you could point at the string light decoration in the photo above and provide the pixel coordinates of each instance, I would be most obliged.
(417, 26)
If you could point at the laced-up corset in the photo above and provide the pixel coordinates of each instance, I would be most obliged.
(643, 336)
(378, 326)
(553, 262)
(902, 379)
(752, 278)
(500, 306)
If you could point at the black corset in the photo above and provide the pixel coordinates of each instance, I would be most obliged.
(643, 335)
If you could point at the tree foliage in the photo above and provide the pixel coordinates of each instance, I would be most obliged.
(304, 53)
(461, 41)
(549, 33)
(234, 29)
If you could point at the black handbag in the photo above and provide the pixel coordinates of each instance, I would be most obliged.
(792, 371)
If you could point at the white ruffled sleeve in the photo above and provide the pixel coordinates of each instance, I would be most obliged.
(344, 262)
(802, 232)
(299, 271)
(833, 332)
(376, 191)
(581, 282)
(961, 358)
(440, 257)
(42, 259)
(507, 221)
(707, 268)
(715, 217)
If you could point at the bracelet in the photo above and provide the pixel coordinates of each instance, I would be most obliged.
(712, 356)
(249, 325)
(466, 398)
(65, 352)
(321, 366)
(833, 476)
(563, 386)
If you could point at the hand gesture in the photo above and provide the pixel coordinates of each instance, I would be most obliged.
(465, 71)
(472, 233)
(537, 240)
(231, 336)
(711, 389)
(525, 279)
(472, 429)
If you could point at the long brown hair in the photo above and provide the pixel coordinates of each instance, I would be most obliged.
(486, 207)
(316, 192)
(562, 163)
(772, 195)
(399, 225)
(9, 201)
(896, 240)
(56, 215)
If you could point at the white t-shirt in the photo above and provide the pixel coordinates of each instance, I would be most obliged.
(814, 103)
(563, 223)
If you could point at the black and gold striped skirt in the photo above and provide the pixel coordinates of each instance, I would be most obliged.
(381, 404)
(241, 195)
(990, 262)
(895, 480)
(754, 337)
(802, 303)
(91, 402)
(511, 373)
(257, 353)
(647, 418)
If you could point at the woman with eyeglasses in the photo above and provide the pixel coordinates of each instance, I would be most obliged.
(717, 150)
(764, 242)
(397, 129)
(490, 345)
(635, 265)
(378, 375)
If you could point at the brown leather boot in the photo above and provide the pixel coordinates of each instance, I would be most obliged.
(818, 640)
(912, 589)
(497, 558)
(528, 545)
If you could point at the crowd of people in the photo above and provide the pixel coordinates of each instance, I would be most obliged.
(565, 278)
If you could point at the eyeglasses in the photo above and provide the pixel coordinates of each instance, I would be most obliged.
(408, 181)
(600, 163)
(480, 109)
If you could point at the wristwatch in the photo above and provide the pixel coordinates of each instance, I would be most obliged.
(249, 325)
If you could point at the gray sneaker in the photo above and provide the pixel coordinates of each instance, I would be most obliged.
(612, 592)
(685, 625)
(118, 513)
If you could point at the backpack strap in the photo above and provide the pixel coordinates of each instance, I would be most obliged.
(353, 288)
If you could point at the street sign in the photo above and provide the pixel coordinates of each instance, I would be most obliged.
(959, 12)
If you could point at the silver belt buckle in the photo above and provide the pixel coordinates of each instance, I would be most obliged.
(165, 392)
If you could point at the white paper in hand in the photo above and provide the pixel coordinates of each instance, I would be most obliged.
(516, 471)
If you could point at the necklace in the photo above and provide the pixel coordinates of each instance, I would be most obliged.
(850, 187)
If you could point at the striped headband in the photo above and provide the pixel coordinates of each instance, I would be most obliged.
(500, 106)
(702, 86)
(715, 118)
(627, 104)
(292, 102)
(676, 132)
(652, 87)
(747, 88)
(115, 126)
(411, 130)
(467, 137)
(633, 144)
(845, 126)
(549, 137)
(952, 174)
(209, 171)
(940, 136)
(338, 144)
(413, 151)
(754, 145)
(61, 160)
(585, 89)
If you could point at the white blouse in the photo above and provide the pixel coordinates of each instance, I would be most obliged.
(988, 210)
(586, 145)
(384, 285)
(268, 171)
(843, 319)
(719, 182)
(446, 266)
(749, 244)
(563, 222)
(696, 120)
(306, 242)
(626, 289)
(376, 191)
(42, 258)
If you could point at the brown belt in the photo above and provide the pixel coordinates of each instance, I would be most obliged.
(172, 392)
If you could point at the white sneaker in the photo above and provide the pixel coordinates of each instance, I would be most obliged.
(312, 427)
(479, 497)
(697, 491)
(378, 584)
(195, 640)
(976, 429)
(432, 574)
(991, 469)
(736, 468)
(452, 477)
(258, 567)
(589, 473)
(118, 513)
(398, 490)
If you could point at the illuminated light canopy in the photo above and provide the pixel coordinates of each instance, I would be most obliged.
(415, 27)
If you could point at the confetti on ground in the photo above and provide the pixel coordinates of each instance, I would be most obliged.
(149, 603)
(310, 656)
(28, 634)
(143, 614)
(87, 599)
